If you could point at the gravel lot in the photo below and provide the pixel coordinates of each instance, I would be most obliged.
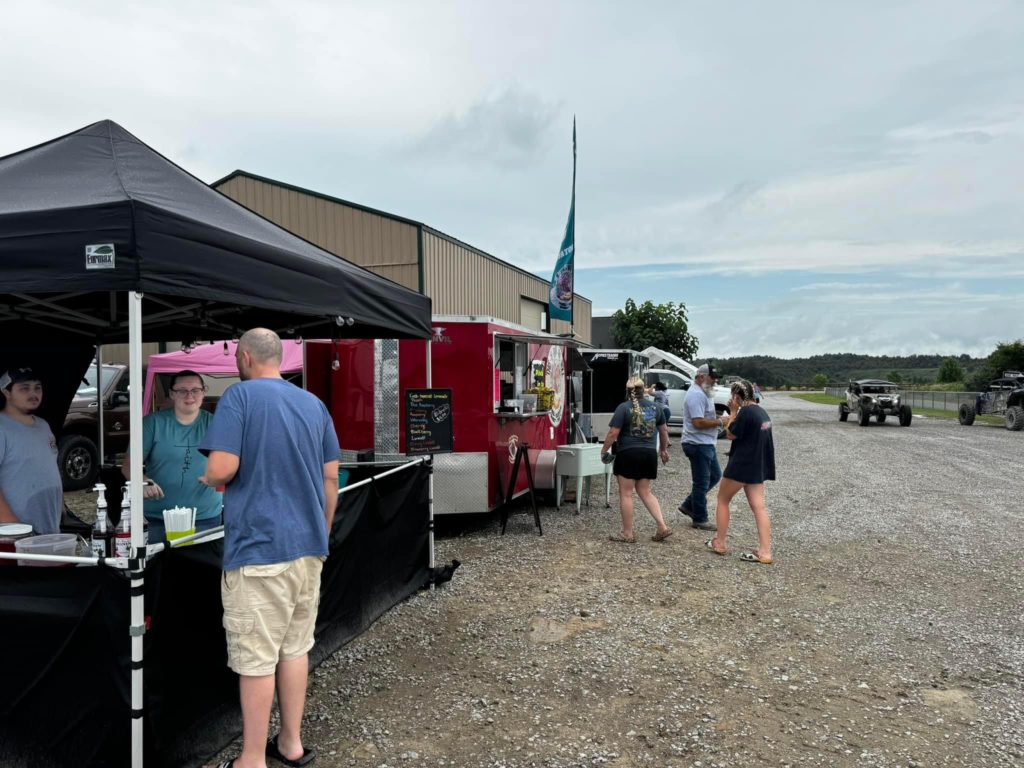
(888, 632)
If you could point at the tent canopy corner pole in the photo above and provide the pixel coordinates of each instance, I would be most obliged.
(138, 614)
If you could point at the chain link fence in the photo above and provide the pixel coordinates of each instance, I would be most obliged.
(919, 398)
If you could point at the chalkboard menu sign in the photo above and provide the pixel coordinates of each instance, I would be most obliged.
(428, 421)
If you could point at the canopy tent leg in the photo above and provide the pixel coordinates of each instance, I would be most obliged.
(99, 404)
(138, 611)
(430, 479)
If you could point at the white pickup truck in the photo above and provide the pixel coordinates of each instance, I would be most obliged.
(678, 381)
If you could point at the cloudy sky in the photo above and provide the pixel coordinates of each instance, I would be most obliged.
(807, 177)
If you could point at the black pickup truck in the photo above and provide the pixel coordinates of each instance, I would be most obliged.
(78, 453)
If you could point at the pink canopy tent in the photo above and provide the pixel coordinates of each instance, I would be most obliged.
(209, 359)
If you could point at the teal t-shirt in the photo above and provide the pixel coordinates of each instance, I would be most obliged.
(170, 453)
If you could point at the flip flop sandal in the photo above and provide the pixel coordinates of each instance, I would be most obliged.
(751, 557)
(618, 537)
(274, 753)
(710, 544)
(226, 763)
(662, 536)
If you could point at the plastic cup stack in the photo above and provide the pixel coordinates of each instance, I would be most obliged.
(179, 522)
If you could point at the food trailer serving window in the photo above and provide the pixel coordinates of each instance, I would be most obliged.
(514, 372)
(512, 369)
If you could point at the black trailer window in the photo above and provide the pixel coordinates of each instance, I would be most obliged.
(512, 370)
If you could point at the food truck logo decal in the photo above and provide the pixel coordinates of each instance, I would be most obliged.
(555, 380)
(513, 445)
(439, 337)
(99, 256)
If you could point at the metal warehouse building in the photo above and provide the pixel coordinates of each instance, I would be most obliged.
(459, 279)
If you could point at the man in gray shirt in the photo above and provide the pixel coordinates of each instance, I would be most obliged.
(30, 486)
(700, 435)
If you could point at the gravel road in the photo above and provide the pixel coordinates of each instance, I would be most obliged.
(888, 632)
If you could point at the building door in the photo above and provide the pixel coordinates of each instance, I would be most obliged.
(531, 313)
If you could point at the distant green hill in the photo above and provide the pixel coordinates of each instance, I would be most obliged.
(839, 368)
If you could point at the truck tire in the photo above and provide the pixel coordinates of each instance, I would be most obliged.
(844, 412)
(863, 416)
(906, 415)
(1015, 418)
(966, 414)
(78, 461)
(880, 418)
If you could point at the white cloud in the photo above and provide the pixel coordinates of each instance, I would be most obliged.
(800, 144)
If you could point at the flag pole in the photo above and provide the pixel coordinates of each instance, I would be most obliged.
(562, 291)
(572, 305)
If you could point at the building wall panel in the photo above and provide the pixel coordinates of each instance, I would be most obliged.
(381, 244)
(463, 281)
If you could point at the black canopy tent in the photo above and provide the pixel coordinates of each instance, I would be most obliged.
(206, 265)
(102, 240)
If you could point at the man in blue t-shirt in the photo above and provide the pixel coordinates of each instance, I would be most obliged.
(30, 486)
(274, 447)
(700, 435)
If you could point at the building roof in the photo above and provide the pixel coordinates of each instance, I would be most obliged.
(377, 212)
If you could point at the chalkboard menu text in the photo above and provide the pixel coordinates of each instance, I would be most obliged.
(428, 421)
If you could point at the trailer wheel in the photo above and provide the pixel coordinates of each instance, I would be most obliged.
(844, 412)
(906, 415)
(1015, 418)
(966, 414)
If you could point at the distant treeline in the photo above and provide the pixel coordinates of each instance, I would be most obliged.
(840, 368)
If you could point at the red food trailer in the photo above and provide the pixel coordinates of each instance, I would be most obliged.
(489, 365)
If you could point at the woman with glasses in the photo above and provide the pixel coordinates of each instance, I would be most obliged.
(171, 457)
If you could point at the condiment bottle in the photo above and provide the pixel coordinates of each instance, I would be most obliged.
(102, 531)
(123, 536)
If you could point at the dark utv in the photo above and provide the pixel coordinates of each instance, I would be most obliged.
(1005, 396)
(874, 397)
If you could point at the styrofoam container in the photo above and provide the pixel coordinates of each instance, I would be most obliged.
(47, 544)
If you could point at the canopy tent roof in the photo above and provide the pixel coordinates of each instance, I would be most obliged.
(208, 267)
(211, 360)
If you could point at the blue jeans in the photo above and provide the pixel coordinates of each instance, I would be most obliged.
(706, 473)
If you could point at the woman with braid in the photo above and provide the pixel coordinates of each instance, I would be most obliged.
(633, 426)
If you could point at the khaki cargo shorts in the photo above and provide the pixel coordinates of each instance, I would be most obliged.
(269, 613)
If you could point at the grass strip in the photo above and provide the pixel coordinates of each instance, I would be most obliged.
(931, 413)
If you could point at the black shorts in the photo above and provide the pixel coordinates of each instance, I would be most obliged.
(637, 464)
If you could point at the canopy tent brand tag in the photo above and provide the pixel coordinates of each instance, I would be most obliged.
(99, 256)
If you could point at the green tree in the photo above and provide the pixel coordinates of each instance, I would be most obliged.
(820, 380)
(895, 377)
(654, 325)
(1008, 356)
(950, 371)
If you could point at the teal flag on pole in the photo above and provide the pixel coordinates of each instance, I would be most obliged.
(562, 281)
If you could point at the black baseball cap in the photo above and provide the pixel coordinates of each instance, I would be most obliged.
(17, 376)
(707, 370)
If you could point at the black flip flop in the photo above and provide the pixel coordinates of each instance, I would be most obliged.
(273, 752)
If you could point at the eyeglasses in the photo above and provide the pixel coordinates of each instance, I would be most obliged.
(187, 392)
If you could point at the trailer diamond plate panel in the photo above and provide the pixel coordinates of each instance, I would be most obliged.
(385, 396)
(460, 483)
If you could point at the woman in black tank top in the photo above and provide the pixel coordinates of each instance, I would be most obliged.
(751, 463)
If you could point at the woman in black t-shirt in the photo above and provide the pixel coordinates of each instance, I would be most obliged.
(751, 462)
